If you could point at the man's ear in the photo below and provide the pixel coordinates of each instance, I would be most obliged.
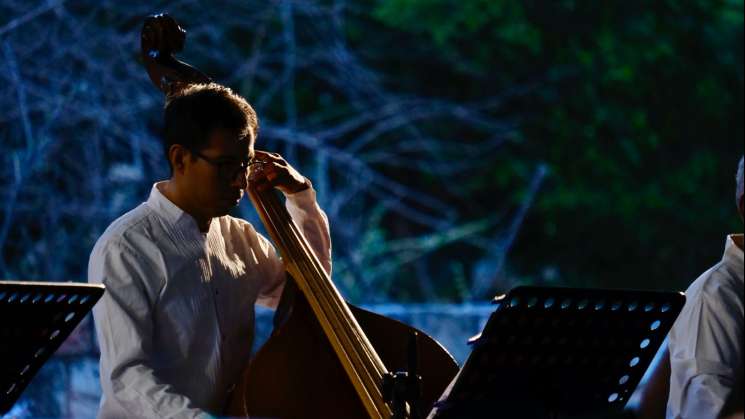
(178, 155)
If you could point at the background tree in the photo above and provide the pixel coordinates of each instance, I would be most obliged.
(640, 126)
(459, 148)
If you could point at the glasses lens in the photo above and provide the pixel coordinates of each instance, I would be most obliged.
(232, 170)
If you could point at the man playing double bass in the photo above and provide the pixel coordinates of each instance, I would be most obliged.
(176, 323)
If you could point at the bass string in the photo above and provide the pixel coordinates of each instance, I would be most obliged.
(324, 297)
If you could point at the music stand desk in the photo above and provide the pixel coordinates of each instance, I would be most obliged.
(560, 352)
(35, 318)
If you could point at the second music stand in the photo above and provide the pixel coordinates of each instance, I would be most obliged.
(560, 352)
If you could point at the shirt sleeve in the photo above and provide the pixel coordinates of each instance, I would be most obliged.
(314, 224)
(124, 327)
(705, 347)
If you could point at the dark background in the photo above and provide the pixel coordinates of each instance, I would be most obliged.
(459, 147)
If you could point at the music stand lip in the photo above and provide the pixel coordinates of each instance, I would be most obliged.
(32, 329)
(53, 284)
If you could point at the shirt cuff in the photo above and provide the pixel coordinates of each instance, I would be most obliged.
(302, 199)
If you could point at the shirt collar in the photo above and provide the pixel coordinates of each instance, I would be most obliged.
(168, 210)
(733, 255)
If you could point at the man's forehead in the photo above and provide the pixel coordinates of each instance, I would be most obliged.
(223, 139)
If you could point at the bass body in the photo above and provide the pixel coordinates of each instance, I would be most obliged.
(297, 375)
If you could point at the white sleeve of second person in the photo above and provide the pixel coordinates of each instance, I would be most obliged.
(705, 347)
(124, 329)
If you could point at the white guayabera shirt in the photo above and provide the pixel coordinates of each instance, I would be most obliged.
(706, 341)
(176, 323)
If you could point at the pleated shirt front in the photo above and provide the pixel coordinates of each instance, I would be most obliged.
(176, 323)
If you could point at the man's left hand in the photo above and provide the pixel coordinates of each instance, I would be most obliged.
(272, 171)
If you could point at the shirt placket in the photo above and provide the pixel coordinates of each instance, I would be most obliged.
(215, 289)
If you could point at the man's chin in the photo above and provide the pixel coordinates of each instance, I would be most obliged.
(225, 207)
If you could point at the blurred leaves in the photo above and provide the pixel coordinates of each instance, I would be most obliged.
(641, 125)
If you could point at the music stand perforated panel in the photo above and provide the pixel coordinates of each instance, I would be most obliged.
(553, 351)
(35, 318)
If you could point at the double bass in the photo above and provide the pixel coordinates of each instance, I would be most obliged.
(325, 358)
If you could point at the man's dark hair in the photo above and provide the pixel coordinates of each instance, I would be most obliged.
(195, 112)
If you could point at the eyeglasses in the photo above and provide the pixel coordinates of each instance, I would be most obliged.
(228, 169)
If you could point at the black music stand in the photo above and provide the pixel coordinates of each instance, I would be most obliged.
(560, 353)
(35, 318)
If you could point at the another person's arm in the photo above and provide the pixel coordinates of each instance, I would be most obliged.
(705, 349)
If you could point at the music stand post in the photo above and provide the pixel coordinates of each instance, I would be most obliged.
(560, 352)
(35, 318)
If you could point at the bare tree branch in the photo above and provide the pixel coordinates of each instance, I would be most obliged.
(81, 119)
